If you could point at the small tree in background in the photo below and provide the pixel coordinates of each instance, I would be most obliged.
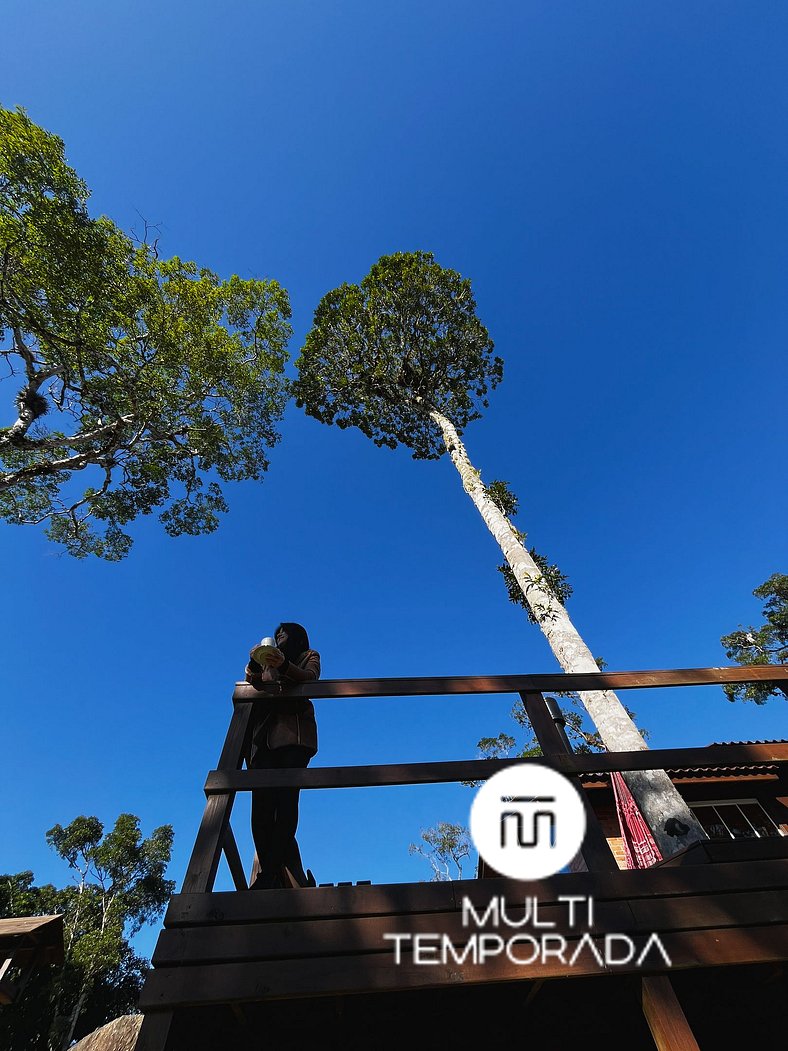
(403, 357)
(118, 887)
(134, 383)
(446, 847)
(767, 644)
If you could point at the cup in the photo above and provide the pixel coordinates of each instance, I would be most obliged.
(263, 649)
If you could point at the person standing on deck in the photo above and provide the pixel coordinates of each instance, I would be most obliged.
(284, 736)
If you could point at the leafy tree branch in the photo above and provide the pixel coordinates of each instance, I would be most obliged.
(767, 644)
(446, 847)
(142, 384)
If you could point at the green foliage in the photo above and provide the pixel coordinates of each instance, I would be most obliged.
(445, 846)
(119, 885)
(550, 576)
(767, 644)
(582, 739)
(496, 747)
(503, 498)
(145, 383)
(382, 353)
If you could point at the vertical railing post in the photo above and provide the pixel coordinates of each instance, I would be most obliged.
(213, 836)
(204, 861)
(154, 1031)
(553, 741)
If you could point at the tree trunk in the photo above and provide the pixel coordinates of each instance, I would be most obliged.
(74, 1017)
(658, 799)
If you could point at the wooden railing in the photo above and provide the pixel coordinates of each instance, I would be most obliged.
(215, 833)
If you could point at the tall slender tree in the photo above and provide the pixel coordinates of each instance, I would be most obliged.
(404, 357)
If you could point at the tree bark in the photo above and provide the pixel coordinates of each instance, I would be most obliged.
(657, 797)
(74, 1017)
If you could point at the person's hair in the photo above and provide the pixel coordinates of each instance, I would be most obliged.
(297, 639)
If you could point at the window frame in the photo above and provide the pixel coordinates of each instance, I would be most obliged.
(738, 802)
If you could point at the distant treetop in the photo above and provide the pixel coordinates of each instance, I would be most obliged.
(767, 644)
(382, 353)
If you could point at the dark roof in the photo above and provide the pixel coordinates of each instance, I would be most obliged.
(733, 771)
(771, 740)
(748, 770)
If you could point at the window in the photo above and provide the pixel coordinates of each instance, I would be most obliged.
(735, 819)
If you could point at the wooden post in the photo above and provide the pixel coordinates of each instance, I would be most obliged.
(154, 1031)
(204, 861)
(234, 862)
(595, 852)
(213, 836)
(665, 1016)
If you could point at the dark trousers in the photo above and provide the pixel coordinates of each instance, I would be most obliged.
(275, 815)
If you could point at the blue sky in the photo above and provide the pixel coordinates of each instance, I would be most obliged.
(611, 178)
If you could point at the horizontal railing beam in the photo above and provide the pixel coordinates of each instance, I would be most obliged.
(674, 759)
(552, 683)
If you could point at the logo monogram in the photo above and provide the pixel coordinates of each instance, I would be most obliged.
(527, 821)
(520, 815)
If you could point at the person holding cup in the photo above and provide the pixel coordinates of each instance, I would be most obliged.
(284, 736)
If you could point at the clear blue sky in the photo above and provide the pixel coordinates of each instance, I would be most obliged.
(612, 179)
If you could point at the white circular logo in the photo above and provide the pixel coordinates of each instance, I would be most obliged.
(527, 821)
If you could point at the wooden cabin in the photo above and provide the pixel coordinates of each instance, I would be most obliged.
(26, 944)
(316, 967)
(733, 803)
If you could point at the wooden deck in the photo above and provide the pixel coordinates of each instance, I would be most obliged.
(239, 947)
(291, 968)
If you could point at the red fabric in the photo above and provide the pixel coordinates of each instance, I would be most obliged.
(640, 848)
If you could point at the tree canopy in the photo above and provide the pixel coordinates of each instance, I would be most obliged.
(767, 644)
(405, 339)
(118, 886)
(136, 383)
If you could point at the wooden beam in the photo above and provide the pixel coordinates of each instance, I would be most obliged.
(550, 738)
(154, 1031)
(302, 939)
(237, 739)
(734, 909)
(204, 860)
(260, 981)
(234, 861)
(478, 769)
(665, 1016)
(308, 903)
(554, 683)
(389, 899)
(7, 988)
